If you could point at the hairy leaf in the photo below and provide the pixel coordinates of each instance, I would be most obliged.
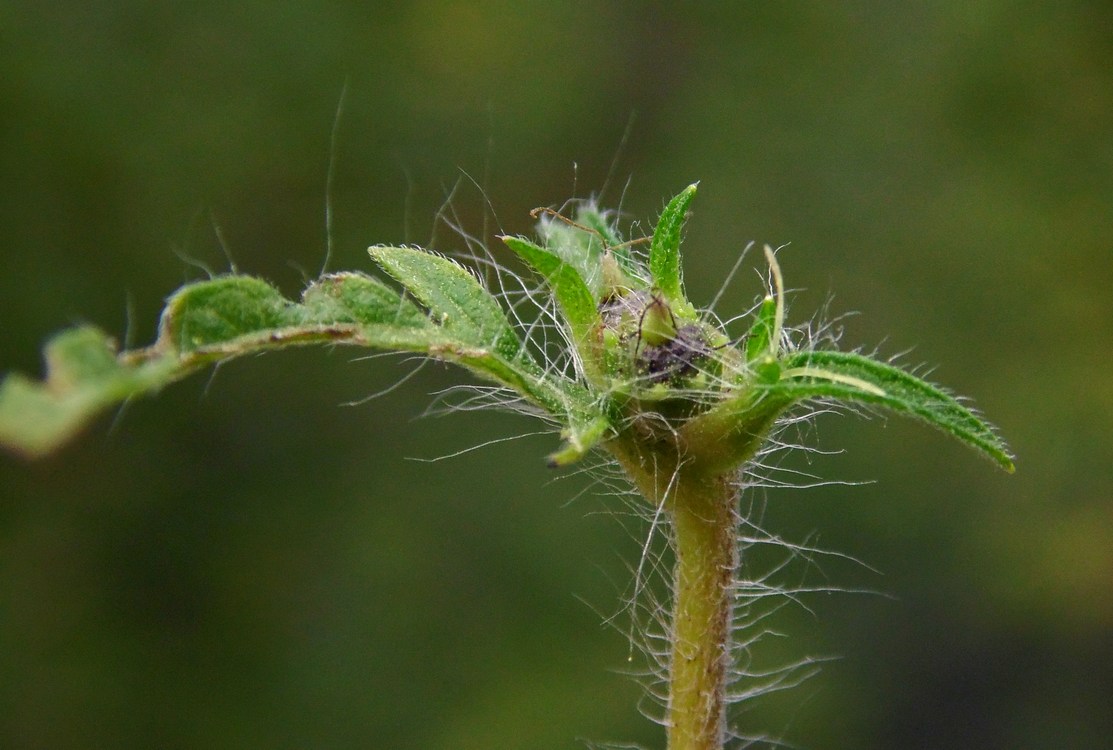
(600, 221)
(456, 299)
(578, 247)
(579, 438)
(761, 333)
(568, 287)
(357, 298)
(230, 316)
(84, 376)
(848, 376)
(664, 251)
(482, 338)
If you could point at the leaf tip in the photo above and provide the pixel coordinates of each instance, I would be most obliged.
(567, 455)
(579, 439)
(1006, 461)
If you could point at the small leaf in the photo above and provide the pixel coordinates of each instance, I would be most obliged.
(569, 289)
(580, 438)
(83, 377)
(358, 298)
(761, 332)
(221, 310)
(577, 246)
(457, 300)
(664, 251)
(853, 377)
(600, 221)
(232, 315)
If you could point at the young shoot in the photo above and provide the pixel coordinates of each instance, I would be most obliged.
(637, 374)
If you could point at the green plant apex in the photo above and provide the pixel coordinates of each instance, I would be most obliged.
(644, 377)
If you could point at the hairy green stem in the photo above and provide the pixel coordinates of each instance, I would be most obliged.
(704, 520)
(702, 506)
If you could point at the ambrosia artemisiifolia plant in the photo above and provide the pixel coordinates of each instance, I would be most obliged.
(637, 372)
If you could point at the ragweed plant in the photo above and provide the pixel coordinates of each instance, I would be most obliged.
(635, 371)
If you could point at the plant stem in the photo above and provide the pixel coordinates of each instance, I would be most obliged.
(702, 505)
(704, 520)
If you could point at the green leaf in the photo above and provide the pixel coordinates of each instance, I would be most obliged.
(384, 318)
(732, 431)
(84, 377)
(358, 298)
(600, 221)
(221, 310)
(852, 377)
(580, 438)
(480, 337)
(761, 332)
(577, 246)
(456, 299)
(230, 316)
(664, 251)
(590, 216)
(203, 322)
(569, 289)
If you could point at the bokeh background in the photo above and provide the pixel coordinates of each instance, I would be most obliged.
(248, 563)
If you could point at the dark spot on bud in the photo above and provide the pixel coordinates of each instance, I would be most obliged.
(667, 352)
(678, 358)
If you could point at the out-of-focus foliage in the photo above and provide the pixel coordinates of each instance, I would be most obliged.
(247, 563)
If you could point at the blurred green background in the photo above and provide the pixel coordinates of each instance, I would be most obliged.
(247, 563)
